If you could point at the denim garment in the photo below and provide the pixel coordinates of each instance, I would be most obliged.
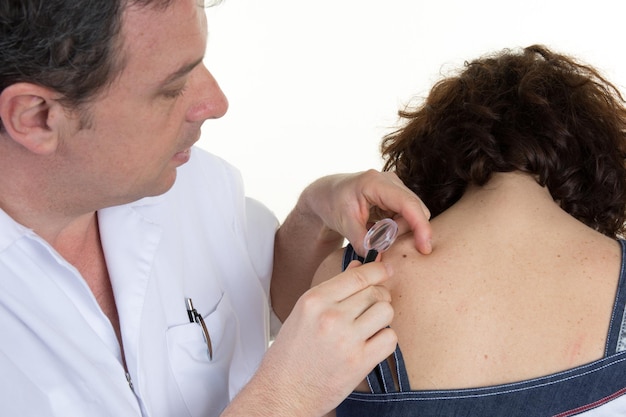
(595, 389)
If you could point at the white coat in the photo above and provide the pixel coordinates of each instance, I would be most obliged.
(202, 240)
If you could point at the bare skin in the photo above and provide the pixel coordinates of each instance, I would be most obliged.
(515, 288)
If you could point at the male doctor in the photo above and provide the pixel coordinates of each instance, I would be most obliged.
(134, 273)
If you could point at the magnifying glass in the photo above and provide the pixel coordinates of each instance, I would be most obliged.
(379, 238)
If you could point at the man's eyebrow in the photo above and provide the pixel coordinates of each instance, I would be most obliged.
(182, 71)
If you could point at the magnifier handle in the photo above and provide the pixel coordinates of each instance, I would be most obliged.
(371, 256)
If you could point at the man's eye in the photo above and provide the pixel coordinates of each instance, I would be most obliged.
(175, 93)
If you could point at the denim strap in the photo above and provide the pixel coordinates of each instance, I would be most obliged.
(381, 380)
(616, 340)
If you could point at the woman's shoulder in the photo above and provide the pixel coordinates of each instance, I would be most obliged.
(329, 267)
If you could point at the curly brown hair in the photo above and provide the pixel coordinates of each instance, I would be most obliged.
(533, 111)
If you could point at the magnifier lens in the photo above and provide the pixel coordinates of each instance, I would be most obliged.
(381, 235)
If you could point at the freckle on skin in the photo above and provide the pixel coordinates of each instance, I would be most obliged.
(404, 255)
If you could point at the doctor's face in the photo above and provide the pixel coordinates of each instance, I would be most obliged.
(138, 131)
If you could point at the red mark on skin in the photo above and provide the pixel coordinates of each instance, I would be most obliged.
(574, 350)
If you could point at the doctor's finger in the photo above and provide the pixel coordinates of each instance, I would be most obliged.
(359, 303)
(354, 279)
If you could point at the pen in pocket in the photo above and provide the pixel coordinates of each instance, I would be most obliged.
(194, 316)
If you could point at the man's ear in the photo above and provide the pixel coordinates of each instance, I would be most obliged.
(31, 116)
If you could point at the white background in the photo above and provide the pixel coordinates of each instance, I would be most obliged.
(314, 85)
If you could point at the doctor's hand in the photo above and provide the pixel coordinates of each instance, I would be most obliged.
(335, 335)
(345, 204)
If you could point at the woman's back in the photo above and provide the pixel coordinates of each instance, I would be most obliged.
(515, 289)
